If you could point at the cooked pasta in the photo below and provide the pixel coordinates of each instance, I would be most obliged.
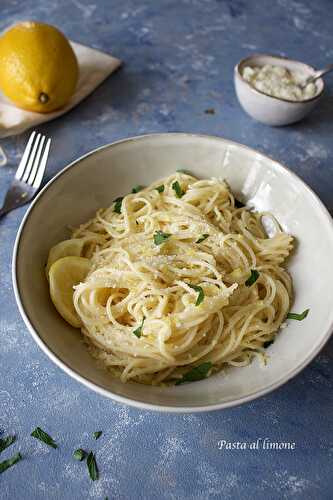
(182, 282)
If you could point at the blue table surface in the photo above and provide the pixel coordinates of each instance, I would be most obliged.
(179, 57)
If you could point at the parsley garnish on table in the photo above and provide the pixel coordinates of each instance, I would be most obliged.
(43, 436)
(10, 462)
(92, 466)
(5, 442)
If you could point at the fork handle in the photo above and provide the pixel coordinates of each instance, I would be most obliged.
(4, 211)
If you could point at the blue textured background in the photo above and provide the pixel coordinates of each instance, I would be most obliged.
(179, 57)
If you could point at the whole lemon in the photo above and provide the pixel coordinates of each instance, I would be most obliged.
(38, 68)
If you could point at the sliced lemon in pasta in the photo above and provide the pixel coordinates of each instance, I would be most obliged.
(67, 248)
(64, 274)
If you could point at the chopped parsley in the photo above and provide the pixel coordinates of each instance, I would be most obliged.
(300, 316)
(117, 204)
(137, 332)
(97, 434)
(177, 189)
(92, 466)
(10, 462)
(79, 454)
(137, 188)
(252, 278)
(200, 291)
(202, 238)
(239, 204)
(197, 373)
(38, 433)
(160, 188)
(5, 442)
(160, 237)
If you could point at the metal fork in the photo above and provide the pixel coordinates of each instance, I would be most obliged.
(29, 174)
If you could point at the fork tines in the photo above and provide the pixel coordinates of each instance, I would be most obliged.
(32, 165)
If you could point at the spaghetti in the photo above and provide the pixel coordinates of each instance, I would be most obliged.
(180, 278)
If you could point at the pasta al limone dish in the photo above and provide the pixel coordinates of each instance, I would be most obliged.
(173, 281)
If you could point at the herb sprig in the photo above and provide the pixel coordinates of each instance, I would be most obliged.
(197, 373)
(160, 188)
(43, 436)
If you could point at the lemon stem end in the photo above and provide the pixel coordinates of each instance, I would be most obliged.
(43, 98)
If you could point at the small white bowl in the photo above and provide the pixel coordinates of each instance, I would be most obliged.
(94, 180)
(268, 109)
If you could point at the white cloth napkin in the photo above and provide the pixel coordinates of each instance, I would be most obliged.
(94, 66)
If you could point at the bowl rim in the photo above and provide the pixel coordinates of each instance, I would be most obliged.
(136, 402)
(238, 73)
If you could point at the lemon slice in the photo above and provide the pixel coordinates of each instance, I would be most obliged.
(64, 274)
(65, 248)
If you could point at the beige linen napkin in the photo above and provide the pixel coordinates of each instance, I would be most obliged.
(94, 66)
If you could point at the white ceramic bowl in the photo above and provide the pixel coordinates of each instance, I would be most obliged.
(273, 110)
(94, 180)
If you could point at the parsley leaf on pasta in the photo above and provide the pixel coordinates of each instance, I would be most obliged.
(298, 317)
(197, 373)
(138, 331)
(160, 237)
(239, 204)
(183, 171)
(160, 188)
(177, 189)
(202, 238)
(137, 188)
(117, 204)
(253, 278)
(201, 294)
